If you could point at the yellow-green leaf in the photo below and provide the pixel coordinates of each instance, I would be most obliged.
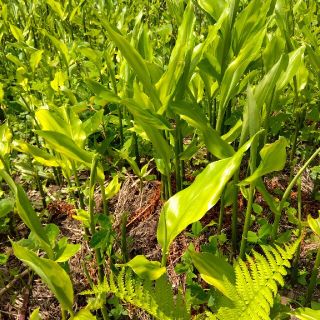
(273, 158)
(35, 59)
(314, 224)
(17, 33)
(50, 272)
(214, 270)
(59, 80)
(146, 269)
(192, 203)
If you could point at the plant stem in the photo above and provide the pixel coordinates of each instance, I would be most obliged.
(234, 217)
(313, 279)
(247, 222)
(104, 200)
(177, 158)
(64, 314)
(39, 185)
(76, 179)
(297, 255)
(221, 213)
(286, 194)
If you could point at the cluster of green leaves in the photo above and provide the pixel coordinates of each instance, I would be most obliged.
(97, 85)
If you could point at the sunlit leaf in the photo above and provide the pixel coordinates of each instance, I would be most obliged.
(146, 269)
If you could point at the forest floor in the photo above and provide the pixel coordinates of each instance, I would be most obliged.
(19, 297)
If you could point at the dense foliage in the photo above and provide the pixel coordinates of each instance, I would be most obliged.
(212, 98)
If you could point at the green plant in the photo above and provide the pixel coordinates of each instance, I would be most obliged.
(250, 287)
(155, 298)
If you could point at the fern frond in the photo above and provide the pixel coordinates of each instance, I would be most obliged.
(157, 298)
(257, 282)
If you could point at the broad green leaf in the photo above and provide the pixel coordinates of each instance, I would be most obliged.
(314, 224)
(27, 213)
(17, 33)
(1, 92)
(6, 206)
(50, 272)
(214, 270)
(3, 259)
(84, 314)
(168, 82)
(161, 146)
(249, 21)
(146, 269)
(267, 197)
(306, 314)
(31, 219)
(56, 6)
(201, 50)
(254, 113)
(102, 92)
(266, 86)
(61, 47)
(233, 133)
(214, 8)
(59, 80)
(51, 121)
(190, 205)
(237, 67)
(15, 60)
(190, 151)
(196, 118)
(39, 155)
(273, 158)
(146, 116)
(35, 59)
(5, 141)
(66, 146)
(93, 124)
(113, 187)
(302, 77)
(136, 62)
(68, 251)
(35, 315)
(295, 60)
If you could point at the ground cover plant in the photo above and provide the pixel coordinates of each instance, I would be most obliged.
(159, 159)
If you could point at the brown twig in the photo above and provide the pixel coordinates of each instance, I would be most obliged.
(12, 283)
(26, 295)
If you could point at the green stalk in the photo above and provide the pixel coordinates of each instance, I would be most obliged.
(286, 194)
(104, 199)
(64, 314)
(39, 185)
(93, 178)
(297, 255)
(313, 279)
(6, 167)
(299, 121)
(234, 216)
(221, 213)
(98, 253)
(253, 161)
(77, 182)
(177, 158)
(247, 222)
